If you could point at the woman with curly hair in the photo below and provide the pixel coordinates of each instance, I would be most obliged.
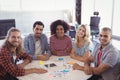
(60, 44)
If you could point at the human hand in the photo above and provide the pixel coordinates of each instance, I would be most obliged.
(77, 67)
(68, 50)
(43, 57)
(36, 70)
(21, 65)
(47, 55)
(72, 55)
(54, 53)
(88, 70)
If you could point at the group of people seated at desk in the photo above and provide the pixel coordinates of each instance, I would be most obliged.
(105, 56)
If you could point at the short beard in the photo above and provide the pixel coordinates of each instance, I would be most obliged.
(37, 37)
(12, 44)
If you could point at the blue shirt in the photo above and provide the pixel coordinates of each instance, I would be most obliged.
(29, 45)
(82, 49)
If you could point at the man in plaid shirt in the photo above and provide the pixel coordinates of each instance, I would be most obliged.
(12, 51)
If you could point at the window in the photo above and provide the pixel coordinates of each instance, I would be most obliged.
(5, 25)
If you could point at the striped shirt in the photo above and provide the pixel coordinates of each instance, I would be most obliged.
(60, 45)
(110, 56)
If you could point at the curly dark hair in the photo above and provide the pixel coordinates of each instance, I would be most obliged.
(59, 22)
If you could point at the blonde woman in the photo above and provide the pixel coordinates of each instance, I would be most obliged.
(81, 46)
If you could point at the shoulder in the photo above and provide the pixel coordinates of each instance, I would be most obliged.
(96, 48)
(67, 38)
(29, 36)
(3, 51)
(97, 45)
(52, 37)
(43, 36)
(114, 51)
(111, 51)
(86, 44)
(111, 48)
(75, 45)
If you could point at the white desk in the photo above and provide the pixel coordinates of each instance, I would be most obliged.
(71, 75)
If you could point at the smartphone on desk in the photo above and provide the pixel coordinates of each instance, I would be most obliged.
(50, 65)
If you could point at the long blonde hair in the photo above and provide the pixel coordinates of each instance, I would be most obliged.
(86, 36)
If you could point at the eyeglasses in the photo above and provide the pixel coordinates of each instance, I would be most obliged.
(105, 36)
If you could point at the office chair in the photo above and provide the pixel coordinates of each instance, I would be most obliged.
(72, 32)
(94, 24)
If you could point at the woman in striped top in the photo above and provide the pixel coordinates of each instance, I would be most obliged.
(60, 44)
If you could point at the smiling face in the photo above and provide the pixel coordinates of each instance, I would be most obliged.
(38, 30)
(60, 31)
(15, 39)
(105, 38)
(81, 32)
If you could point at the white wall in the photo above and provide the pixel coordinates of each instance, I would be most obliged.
(116, 17)
(25, 19)
(104, 7)
(36, 5)
(26, 12)
(87, 11)
(109, 11)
